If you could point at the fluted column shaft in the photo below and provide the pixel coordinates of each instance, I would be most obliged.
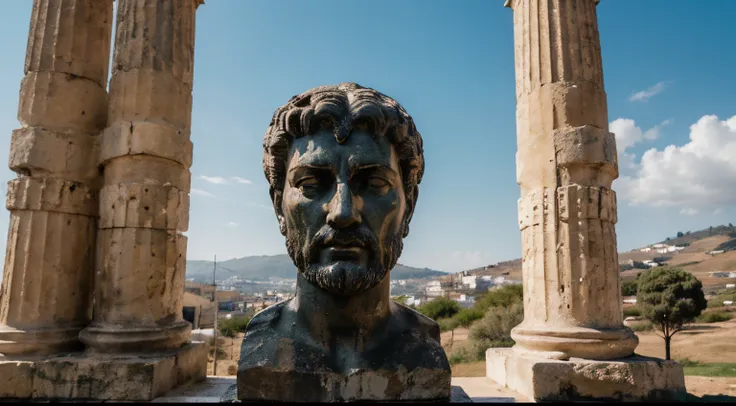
(566, 163)
(144, 203)
(47, 281)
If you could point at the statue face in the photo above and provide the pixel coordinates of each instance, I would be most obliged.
(343, 210)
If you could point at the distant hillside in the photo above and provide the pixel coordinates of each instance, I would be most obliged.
(687, 237)
(280, 266)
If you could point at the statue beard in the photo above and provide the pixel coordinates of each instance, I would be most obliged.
(344, 278)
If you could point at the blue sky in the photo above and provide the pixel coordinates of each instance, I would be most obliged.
(668, 68)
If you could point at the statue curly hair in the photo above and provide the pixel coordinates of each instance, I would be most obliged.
(342, 108)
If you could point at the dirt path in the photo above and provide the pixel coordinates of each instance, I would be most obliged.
(227, 361)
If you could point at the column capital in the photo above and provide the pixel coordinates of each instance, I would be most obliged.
(508, 3)
(198, 3)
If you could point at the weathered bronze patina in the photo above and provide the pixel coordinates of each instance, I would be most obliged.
(343, 163)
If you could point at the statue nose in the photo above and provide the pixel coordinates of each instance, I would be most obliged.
(343, 211)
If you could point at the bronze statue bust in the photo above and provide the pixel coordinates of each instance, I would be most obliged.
(343, 163)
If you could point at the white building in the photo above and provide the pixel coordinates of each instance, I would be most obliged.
(434, 289)
(647, 249)
(470, 281)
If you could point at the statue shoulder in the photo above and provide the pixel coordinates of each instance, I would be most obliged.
(418, 320)
(265, 319)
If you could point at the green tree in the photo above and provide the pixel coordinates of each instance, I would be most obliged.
(680, 234)
(449, 324)
(466, 317)
(670, 298)
(628, 288)
(439, 308)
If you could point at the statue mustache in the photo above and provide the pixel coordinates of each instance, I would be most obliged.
(358, 236)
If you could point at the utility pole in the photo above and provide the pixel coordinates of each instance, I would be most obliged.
(214, 299)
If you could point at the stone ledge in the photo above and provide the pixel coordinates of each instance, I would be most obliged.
(457, 395)
(82, 376)
(629, 379)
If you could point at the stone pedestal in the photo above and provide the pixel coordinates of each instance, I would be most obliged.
(144, 202)
(629, 379)
(53, 203)
(131, 377)
(271, 384)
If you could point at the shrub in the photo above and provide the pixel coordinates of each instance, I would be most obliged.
(466, 317)
(458, 355)
(714, 317)
(229, 327)
(439, 308)
(687, 362)
(495, 326)
(632, 311)
(448, 324)
(728, 294)
(504, 296)
(647, 326)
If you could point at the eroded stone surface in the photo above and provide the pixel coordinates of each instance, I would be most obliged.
(409, 365)
(628, 379)
(87, 377)
(46, 285)
(144, 202)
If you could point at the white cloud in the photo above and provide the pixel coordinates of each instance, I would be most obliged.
(627, 135)
(241, 180)
(217, 180)
(198, 192)
(699, 174)
(689, 211)
(652, 91)
(232, 224)
(718, 211)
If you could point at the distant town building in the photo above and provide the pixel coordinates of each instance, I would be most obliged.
(198, 310)
(434, 289)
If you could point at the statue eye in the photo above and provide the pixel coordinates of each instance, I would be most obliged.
(375, 182)
(308, 184)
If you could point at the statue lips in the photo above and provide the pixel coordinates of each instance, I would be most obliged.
(344, 245)
(344, 253)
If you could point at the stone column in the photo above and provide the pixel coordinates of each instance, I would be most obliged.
(566, 162)
(572, 344)
(47, 281)
(144, 203)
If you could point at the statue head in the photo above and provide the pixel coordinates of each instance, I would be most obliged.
(344, 164)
